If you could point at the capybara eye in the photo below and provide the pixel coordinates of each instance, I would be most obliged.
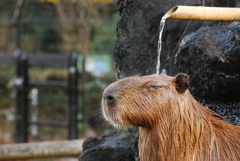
(154, 87)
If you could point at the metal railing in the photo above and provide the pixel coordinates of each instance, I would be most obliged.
(22, 85)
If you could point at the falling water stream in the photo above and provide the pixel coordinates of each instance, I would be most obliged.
(161, 27)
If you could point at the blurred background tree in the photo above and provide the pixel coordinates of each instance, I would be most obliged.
(60, 26)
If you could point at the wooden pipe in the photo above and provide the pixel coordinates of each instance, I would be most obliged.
(203, 13)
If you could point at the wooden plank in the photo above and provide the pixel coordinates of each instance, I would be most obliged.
(41, 150)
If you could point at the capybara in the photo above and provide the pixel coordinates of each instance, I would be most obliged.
(173, 126)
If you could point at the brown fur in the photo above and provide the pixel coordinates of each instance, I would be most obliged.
(173, 126)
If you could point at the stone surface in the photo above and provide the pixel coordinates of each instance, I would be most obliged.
(230, 111)
(138, 29)
(115, 146)
(211, 57)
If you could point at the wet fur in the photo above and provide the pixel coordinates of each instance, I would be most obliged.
(173, 126)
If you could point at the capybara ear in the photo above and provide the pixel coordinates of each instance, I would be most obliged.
(182, 82)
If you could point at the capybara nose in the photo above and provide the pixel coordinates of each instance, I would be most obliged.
(110, 100)
(109, 96)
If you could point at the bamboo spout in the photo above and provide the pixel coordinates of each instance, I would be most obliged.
(203, 13)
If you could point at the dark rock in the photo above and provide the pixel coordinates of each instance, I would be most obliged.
(138, 29)
(211, 57)
(230, 111)
(116, 146)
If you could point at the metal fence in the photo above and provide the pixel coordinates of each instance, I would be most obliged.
(32, 115)
(48, 98)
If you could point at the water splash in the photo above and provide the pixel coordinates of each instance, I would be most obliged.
(161, 27)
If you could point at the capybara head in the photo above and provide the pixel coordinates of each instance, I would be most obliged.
(141, 100)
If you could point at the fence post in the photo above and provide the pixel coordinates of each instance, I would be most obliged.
(21, 100)
(72, 96)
